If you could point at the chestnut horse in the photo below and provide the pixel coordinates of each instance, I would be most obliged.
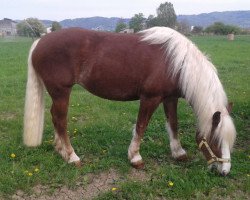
(158, 65)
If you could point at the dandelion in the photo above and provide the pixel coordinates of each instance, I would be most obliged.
(12, 155)
(104, 151)
(170, 184)
(74, 118)
(30, 174)
(248, 175)
(75, 131)
(78, 104)
(114, 189)
(36, 169)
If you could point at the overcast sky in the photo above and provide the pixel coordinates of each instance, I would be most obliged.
(69, 9)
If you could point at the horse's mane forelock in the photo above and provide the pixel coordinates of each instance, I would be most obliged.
(198, 79)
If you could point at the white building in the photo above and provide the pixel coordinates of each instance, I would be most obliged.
(8, 27)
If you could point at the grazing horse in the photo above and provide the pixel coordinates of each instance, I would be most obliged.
(158, 65)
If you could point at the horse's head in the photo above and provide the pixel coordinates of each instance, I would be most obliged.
(217, 145)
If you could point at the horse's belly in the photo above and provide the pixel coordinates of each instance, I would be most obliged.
(112, 90)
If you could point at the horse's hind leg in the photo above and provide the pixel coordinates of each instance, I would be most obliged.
(147, 107)
(59, 110)
(170, 108)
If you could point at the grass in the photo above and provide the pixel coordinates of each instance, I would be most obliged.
(100, 132)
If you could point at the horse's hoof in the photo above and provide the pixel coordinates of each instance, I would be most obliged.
(138, 165)
(78, 163)
(182, 158)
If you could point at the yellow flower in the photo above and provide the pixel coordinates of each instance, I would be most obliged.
(30, 174)
(36, 169)
(12, 155)
(170, 184)
(248, 175)
(114, 189)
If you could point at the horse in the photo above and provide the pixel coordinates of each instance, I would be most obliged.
(154, 66)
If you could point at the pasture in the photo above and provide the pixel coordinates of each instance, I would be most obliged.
(101, 131)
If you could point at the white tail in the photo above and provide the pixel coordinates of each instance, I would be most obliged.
(34, 106)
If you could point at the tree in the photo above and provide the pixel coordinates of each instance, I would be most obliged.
(56, 26)
(183, 27)
(151, 21)
(219, 28)
(166, 15)
(30, 27)
(137, 22)
(197, 30)
(120, 26)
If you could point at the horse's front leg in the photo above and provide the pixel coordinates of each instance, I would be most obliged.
(147, 107)
(59, 109)
(170, 108)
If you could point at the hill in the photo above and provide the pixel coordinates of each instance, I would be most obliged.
(239, 18)
(100, 23)
(96, 23)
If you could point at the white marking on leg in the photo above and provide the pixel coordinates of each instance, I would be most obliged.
(175, 145)
(63, 151)
(137, 158)
(57, 142)
(133, 150)
(73, 157)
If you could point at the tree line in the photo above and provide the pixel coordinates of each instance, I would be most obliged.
(165, 16)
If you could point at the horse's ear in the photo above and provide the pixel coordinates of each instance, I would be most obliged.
(230, 107)
(216, 119)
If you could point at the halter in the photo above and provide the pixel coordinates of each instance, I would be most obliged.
(214, 158)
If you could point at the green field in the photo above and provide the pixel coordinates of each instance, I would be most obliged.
(100, 132)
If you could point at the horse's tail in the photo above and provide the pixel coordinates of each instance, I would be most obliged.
(34, 106)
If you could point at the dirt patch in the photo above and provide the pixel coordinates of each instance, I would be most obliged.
(91, 186)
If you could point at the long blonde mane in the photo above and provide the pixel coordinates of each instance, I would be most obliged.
(198, 80)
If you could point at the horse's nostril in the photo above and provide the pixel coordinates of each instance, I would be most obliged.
(224, 173)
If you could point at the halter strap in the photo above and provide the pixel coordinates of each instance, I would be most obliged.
(214, 158)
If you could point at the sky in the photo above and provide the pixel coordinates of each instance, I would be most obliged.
(66, 9)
